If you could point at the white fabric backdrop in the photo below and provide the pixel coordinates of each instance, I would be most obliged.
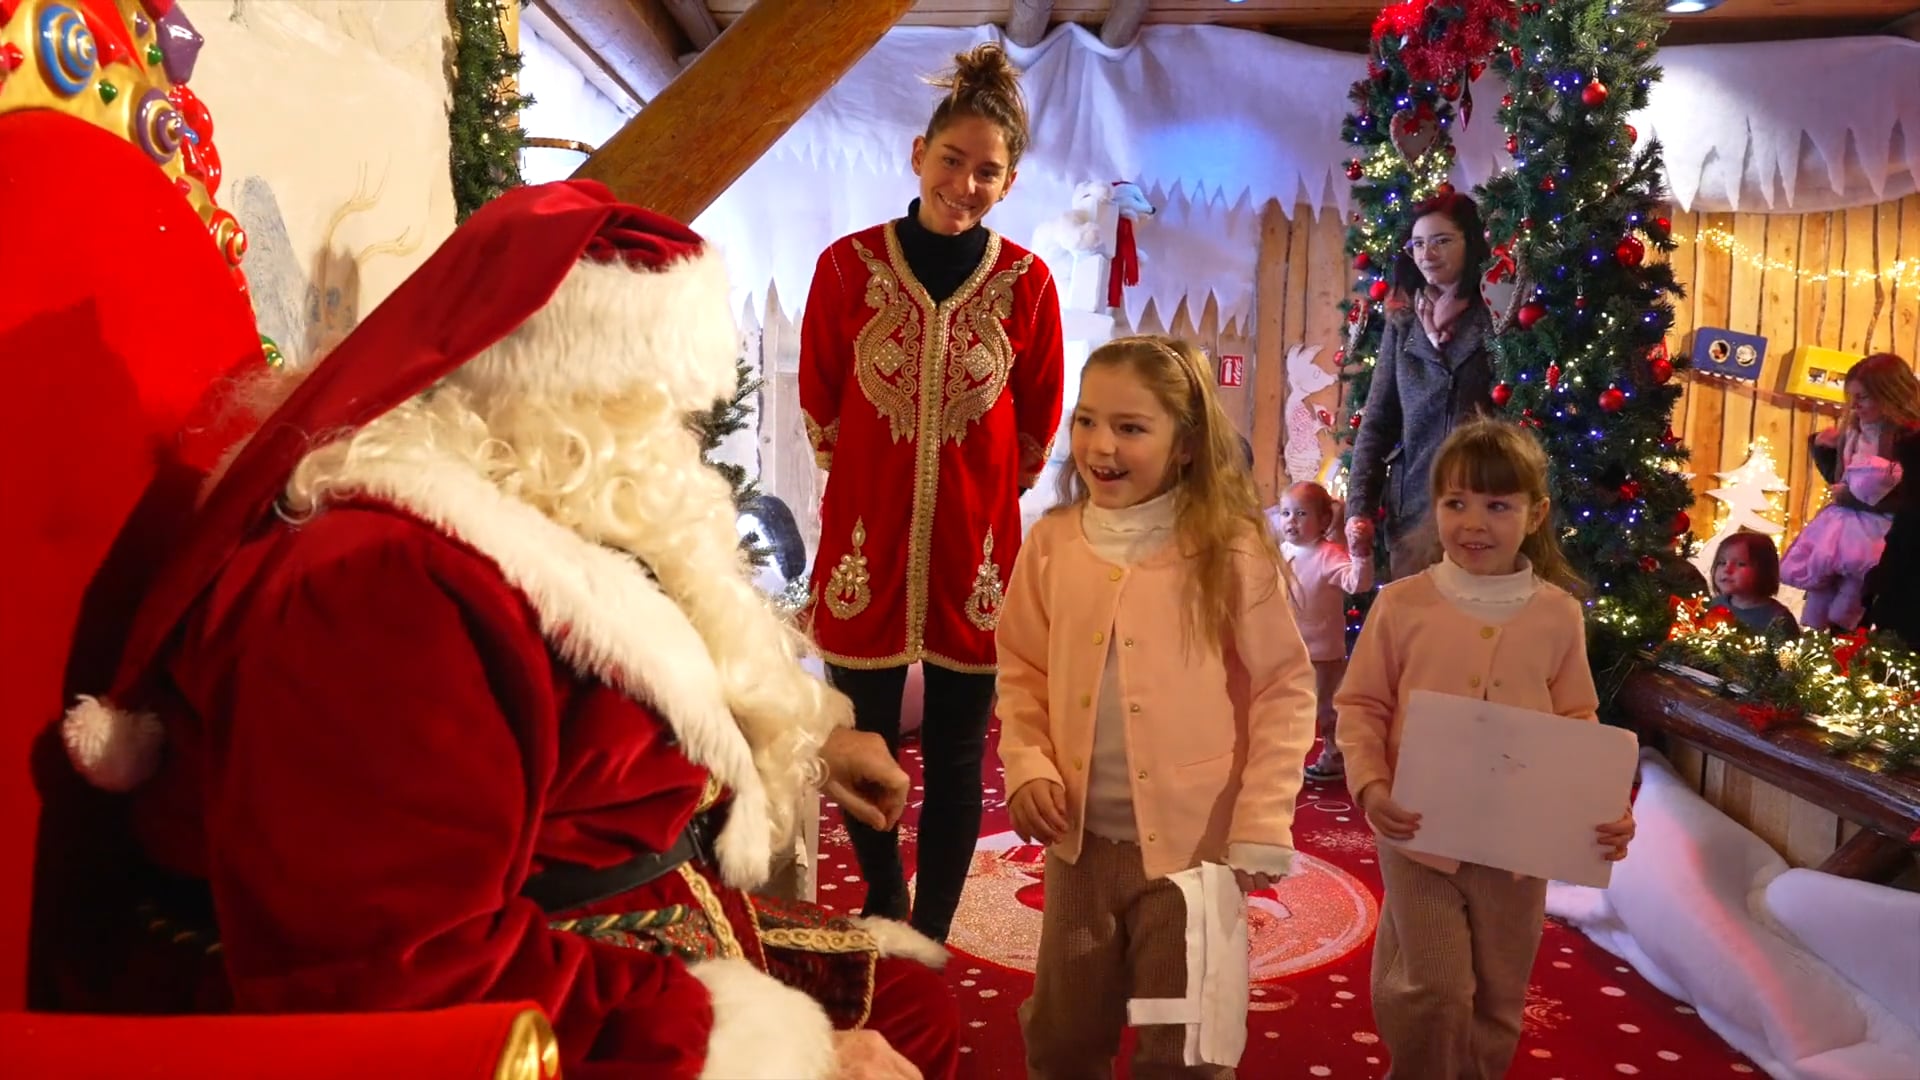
(1214, 121)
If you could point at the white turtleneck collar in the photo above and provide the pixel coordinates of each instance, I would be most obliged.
(1493, 597)
(1131, 533)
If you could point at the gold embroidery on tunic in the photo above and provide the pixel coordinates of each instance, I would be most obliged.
(979, 355)
(983, 604)
(1033, 456)
(822, 439)
(849, 586)
(886, 352)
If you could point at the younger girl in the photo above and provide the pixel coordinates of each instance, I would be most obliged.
(1492, 620)
(1155, 701)
(1861, 459)
(1746, 576)
(1323, 575)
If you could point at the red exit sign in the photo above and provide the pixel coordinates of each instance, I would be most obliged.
(1233, 370)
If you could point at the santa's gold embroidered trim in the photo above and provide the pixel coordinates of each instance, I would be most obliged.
(983, 603)
(716, 912)
(849, 587)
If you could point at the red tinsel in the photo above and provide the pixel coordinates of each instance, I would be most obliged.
(1436, 54)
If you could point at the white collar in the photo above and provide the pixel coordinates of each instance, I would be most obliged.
(1154, 515)
(1458, 584)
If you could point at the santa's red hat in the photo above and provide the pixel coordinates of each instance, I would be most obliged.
(552, 291)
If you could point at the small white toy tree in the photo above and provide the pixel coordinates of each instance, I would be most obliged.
(1749, 501)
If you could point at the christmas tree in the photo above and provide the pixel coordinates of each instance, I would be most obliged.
(1747, 497)
(1584, 363)
(713, 426)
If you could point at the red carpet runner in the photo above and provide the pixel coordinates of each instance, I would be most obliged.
(1588, 1014)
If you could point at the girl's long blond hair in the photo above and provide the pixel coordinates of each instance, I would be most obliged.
(1492, 457)
(1216, 509)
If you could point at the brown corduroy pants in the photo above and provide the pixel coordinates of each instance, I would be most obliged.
(1451, 961)
(1107, 934)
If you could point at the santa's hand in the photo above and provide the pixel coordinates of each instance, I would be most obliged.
(863, 778)
(865, 1054)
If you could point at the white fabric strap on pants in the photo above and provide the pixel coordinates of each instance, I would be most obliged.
(1215, 1008)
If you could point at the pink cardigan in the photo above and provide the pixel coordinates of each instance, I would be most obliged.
(1323, 575)
(1216, 740)
(1417, 639)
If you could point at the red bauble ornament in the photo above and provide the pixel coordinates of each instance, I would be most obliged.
(1362, 261)
(1580, 303)
(1612, 400)
(1514, 54)
(1353, 170)
(1445, 190)
(1649, 564)
(1507, 102)
(1378, 290)
(1630, 252)
(1354, 421)
(1665, 225)
(1661, 370)
(1530, 313)
(1681, 523)
(1633, 133)
(1553, 376)
(1502, 394)
(1630, 490)
(1450, 89)
(1549, 184)
(1513, 144)
(1595, 94)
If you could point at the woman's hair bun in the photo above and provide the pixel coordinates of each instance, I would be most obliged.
(983, 82)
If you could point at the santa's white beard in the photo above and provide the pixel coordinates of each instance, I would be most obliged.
(628, 474)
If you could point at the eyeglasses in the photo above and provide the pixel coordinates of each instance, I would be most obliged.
(1437, 243)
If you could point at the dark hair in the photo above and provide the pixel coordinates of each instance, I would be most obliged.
(1760, 552)
(984, 83)
(1407, 278)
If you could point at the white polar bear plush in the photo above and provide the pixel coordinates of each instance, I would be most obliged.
(1076, 233)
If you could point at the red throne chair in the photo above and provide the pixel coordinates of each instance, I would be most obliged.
(123, 319)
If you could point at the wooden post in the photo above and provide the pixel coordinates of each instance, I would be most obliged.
(1270, 350)
(1123, 23)
(1027, 24)
(745, 90)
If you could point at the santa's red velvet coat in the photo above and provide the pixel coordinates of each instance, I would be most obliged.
(381, 732)
(930, 419)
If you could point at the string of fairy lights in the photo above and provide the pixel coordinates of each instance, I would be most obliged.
(1900, 273)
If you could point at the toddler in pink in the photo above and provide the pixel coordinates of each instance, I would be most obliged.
(1321, 575)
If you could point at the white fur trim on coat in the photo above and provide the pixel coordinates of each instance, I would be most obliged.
(898, 939)
(602, 614)
(114, 749)
(762, 1028)
(609, 329)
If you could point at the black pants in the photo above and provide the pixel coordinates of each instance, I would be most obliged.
(953, 739)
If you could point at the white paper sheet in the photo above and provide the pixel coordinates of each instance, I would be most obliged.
(1512, 788)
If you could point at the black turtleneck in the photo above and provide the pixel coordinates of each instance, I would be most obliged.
(942, 263)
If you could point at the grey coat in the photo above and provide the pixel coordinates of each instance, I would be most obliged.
(1419, 393)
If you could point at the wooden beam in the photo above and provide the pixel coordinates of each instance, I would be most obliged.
(631, 40)
(744, 92)
(1868, 856)
(696, 21)
(1028, 22)
(534, 21)
(1906, 26)
(1123, 23)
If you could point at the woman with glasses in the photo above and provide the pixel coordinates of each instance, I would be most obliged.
(1434, 370)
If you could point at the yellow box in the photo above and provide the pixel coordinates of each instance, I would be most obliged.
(1820, 373)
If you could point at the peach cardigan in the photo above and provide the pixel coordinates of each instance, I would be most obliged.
(1216, 738)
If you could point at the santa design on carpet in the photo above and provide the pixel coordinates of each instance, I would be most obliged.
(457, 691)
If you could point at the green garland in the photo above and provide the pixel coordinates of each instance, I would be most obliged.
(1864, 688)
(485, 156)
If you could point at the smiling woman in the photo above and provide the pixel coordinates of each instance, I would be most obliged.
(930, 371)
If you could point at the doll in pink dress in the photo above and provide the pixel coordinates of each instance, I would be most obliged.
(1321, 574)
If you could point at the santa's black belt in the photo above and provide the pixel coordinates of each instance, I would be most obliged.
(566, 886)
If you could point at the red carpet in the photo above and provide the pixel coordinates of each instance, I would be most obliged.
(1588, 1014)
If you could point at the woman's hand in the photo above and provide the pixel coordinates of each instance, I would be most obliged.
(1827, 438)
(1616, 835)
(863, 778)
(1039, 812)
(864, 1054)
(1393, 821)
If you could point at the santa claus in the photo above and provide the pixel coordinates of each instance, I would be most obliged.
(457, 690)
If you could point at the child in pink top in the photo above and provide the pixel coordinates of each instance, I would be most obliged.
(1323, 575)
(1494, 619)
(1155, 702)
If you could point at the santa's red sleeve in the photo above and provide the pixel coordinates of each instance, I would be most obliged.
(381, 727)
(826, 355)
